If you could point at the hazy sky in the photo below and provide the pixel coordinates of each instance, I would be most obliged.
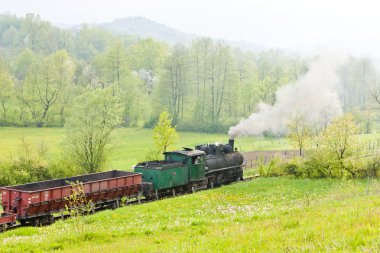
(345, 25)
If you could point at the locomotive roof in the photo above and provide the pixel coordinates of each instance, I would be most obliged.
(192, 152)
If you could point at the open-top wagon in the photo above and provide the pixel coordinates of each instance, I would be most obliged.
(35, 203)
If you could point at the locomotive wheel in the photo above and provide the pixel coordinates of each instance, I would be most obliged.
(219, 179)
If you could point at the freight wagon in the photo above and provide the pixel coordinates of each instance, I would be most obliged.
(35, 203)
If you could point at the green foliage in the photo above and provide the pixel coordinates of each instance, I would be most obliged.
(63, 167)
(337, 155)
(6, 93)
(147, 57)
(207, 85)
(29, 165)
(148, 75)
(93, 118)
(46, 85)
(274, 168)
(298, 133)
(78, 204)
(340, 141)
(164, 134)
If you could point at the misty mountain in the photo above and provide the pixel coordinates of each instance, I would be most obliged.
(143, 28)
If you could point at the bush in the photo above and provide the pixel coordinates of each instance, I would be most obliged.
(295, 167)
(275, 168)
(21, 172)
(29, 166)
(320, 164)
(63, 168)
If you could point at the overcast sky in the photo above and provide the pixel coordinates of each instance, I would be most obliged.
(345, 25)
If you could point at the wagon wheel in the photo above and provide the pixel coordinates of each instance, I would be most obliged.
(3, 227)
(37, 222)
(113, 205)
(51, 219)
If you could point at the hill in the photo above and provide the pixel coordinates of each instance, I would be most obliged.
(144, 28)
(264, 215)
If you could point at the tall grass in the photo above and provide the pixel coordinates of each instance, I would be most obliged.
(263, 215)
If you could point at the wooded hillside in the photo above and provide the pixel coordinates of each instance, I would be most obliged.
(206, 85)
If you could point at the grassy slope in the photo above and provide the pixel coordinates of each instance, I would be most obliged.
(268, 214)
(130, 145)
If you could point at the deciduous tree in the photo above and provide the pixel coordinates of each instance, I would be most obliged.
(164, 134)
(94, 116)
(339, 139)
(6, 90)
(46, 83)
(298, 132)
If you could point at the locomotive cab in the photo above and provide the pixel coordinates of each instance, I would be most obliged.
(194, 160)
(179, 169)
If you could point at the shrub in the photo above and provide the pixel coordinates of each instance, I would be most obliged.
(20, 172)
(63, 168)
(275, 168)
(295, 167)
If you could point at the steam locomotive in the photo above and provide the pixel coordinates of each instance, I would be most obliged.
(181, 171)
(206, 166)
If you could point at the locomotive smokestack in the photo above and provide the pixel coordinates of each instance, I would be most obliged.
(231, 142)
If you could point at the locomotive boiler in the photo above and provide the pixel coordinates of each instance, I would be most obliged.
(223, 163)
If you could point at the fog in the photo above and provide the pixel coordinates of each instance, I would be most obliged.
(295, 24)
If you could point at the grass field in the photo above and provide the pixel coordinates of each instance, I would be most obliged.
(263, 215)
(130, 145)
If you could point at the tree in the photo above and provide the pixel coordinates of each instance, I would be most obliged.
(164, 134)
(174, 81)
(91, 41)
(147, 57)
(215, 79)
(78, 204)
(46, 84)
(33, 26)
(94, 116)
(339, 139)
(116, 64)
(6, 90)
(201, 54)
(299, 132)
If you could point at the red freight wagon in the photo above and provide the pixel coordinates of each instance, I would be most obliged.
(36, 202)
(7, 220)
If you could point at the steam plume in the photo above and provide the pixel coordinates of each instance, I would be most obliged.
(314, 97)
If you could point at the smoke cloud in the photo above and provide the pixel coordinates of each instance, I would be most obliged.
(314, 97)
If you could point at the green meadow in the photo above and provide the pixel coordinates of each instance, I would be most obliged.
(129, 146)
(262, 215)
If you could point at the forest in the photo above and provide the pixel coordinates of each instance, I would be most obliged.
(206, 85)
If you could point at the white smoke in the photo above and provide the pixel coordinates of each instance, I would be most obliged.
(314, 97)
